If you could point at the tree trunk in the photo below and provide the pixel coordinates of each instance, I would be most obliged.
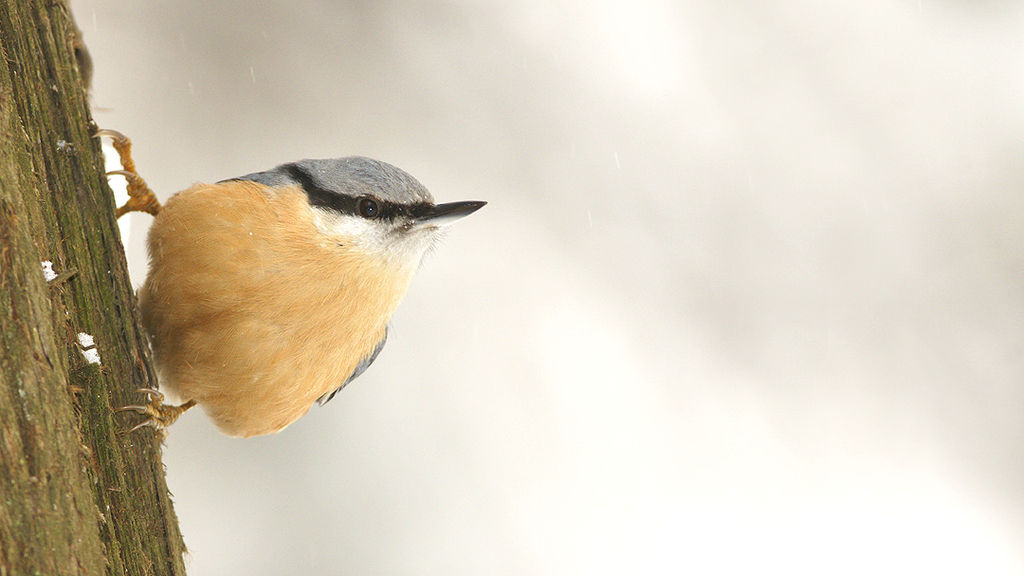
(77, 494)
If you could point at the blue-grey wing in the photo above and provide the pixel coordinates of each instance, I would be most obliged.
(360, 368)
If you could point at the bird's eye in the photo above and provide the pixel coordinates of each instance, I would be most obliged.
(368, 208)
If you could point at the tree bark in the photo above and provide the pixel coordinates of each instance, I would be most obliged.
(78, 495)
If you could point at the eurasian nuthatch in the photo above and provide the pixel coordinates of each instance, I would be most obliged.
(270, 292)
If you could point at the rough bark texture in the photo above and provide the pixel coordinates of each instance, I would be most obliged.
(77, 494)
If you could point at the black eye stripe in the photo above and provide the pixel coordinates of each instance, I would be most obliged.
(391, 210)
(345, 204)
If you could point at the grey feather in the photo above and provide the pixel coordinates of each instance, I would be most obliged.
(352, 176)
(360, 368)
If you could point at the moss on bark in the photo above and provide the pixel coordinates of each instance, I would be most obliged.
(78, 495)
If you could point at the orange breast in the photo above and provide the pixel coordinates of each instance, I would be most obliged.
(252, 311)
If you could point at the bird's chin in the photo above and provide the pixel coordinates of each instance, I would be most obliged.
(406, 248)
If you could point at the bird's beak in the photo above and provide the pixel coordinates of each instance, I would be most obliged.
(444, 214)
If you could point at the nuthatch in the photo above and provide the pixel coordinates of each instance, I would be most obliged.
(270, 292)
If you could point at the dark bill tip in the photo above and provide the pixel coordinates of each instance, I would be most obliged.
(441, 214)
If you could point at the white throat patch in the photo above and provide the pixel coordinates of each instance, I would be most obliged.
(397, 241)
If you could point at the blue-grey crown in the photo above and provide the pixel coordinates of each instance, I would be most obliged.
(351, 177)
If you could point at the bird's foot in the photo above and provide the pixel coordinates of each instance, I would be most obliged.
(140, 197)
(159, 415)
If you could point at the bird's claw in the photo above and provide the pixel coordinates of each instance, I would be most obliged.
(159, 415)
(140, 197)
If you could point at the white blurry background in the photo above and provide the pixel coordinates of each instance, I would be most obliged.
(748, 297)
